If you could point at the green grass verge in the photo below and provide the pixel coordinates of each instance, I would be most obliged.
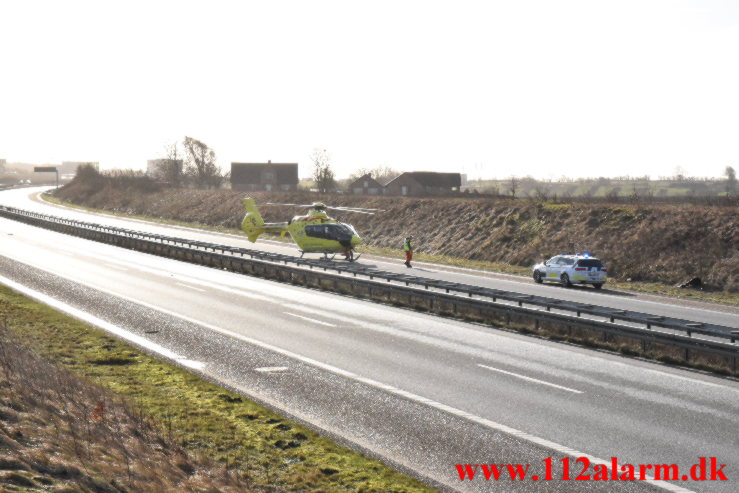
(499, 267)
(253, 441)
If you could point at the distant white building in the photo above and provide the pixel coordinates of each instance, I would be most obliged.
(70, 167)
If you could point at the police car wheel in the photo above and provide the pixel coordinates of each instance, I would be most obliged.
(565, 280)
(537, 277)
(598, 285)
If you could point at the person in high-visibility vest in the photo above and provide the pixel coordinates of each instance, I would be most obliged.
(408, 247)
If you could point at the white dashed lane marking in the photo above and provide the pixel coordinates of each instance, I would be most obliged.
(271, 369)
(529, 379)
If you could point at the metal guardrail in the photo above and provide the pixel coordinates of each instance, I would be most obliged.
(604, 319)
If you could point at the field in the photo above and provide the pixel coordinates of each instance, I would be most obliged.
(664, 189)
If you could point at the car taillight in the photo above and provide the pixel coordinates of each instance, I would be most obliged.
(603, 269)
(581, 268)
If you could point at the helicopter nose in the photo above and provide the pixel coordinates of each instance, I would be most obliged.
(356, 240)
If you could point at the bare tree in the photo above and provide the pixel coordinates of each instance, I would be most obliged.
(513, 186)
(171, 166)
(323, 175)
(541, 192)
(680, 173)
(200, 164)
(382, 173)
(730, 181)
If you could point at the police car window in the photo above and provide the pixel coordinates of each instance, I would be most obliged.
(591, 262)
(568, 261)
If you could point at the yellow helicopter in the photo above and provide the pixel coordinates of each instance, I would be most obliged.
(314, 232)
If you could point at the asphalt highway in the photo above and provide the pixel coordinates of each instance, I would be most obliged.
(29, 199)
(421, 392)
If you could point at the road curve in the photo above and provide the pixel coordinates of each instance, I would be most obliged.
(657, 305)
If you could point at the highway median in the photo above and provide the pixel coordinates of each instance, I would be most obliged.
(586, 324)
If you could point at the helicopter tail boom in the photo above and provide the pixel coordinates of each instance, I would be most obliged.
(253, 224)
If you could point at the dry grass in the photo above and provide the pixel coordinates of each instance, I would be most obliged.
(59, 431)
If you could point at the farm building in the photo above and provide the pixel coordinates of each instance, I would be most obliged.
(264, 176)
(423, 183)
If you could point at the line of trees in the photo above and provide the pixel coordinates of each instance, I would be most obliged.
(194, 166)
(325, 178)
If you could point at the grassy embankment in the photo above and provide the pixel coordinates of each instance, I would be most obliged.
(648, 248)
(159, 428)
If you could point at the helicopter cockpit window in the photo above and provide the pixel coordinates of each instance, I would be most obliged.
(328, 231)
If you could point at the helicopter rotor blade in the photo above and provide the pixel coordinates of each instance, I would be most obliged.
(360, 210)
(270, 204)
(354, 211)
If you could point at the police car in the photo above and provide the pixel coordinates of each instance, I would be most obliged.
(571, 269)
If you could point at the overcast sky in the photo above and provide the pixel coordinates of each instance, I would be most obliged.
(488, 88)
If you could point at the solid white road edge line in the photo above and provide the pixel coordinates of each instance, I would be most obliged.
(318, 364)
(98, 322)
(523, 377)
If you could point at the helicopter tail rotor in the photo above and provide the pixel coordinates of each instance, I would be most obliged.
(253, 224)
